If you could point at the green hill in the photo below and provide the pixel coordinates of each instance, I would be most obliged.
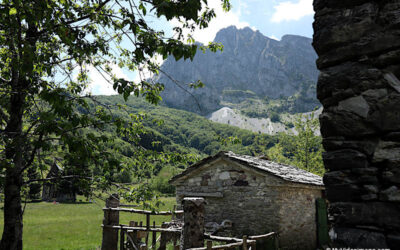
(186, 132)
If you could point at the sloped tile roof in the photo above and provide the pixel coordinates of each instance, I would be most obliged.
(283, 171)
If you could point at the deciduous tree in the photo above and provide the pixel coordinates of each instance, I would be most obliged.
(46, 48)
(302, 149)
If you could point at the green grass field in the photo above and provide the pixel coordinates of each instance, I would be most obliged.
(71, 226)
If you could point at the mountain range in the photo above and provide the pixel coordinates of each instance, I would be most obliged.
(254, 75)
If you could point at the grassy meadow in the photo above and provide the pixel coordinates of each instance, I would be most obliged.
(72, 226)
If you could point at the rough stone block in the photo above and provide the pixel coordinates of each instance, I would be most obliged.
(336, 122)
(358, 238)
(343, 192)
(333, 4)
(378, 214)
(349, 177)
(393, 241)
(369, 45)
(339, 27)
(389, 14)
(392, 175)
(388, 58)
(393, 136)
(390, 194)
(356, 105)
(387, 151)
(365, 145)
(344, 159)
(369, 197)
(224, 176)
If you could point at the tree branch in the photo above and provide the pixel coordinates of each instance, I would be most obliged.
(57, 178)
(101, 5)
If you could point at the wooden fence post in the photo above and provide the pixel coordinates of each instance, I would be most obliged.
(148, 228)
(244, 242)
(254, 246)
(193, 223)
(111, 218)
(122, 240)
(164, 238)
(154, 236)
(173, 213)
(209, 244)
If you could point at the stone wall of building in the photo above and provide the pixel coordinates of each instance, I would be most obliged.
(358, 43)
(255, 203)
(297, 217)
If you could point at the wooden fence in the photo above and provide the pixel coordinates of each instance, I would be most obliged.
(130, 236)
(246, 243)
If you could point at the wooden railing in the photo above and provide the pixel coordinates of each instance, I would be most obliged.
(130, 235)
(247, 242)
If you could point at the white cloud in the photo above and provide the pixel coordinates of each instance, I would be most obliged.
(100, 83)
(289, 11)
(222, 20)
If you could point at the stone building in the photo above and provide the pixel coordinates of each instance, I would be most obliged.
(258, 196)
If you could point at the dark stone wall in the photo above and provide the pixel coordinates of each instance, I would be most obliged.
(358, 44)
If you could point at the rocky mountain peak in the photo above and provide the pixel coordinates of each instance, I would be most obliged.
(250, 61)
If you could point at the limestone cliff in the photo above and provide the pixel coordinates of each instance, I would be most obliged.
(250, 64)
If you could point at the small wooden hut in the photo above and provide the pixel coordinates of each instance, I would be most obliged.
(58, 189)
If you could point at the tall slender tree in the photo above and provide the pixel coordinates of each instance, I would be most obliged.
(46, 47)
(303, 148)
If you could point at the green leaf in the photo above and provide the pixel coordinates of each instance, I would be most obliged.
(13, 11)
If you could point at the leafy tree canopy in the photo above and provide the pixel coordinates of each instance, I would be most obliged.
(302, 149)
(46, 47)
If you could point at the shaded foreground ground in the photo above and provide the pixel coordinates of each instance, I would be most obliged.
(71, 226)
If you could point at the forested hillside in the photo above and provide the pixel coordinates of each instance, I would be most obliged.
(186, 132)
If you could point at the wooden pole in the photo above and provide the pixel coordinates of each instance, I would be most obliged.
(209, 244)
(154, 238)
(164, 238)
(175, 242)
(173, 213)
(122, 240)
(244, 242)
(276, 241)
(254, 246)
(133, 235)
(193, 223)
(111, 218)
(148, 228)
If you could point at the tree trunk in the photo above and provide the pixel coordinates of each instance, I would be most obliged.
(12, 234)
(14, 165)
(15, 141)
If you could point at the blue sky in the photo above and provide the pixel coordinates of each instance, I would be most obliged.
(273, 18)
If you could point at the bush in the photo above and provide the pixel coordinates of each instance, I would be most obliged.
(160, 184)
(275, 117)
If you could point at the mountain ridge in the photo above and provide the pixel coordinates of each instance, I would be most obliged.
(250, 61)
